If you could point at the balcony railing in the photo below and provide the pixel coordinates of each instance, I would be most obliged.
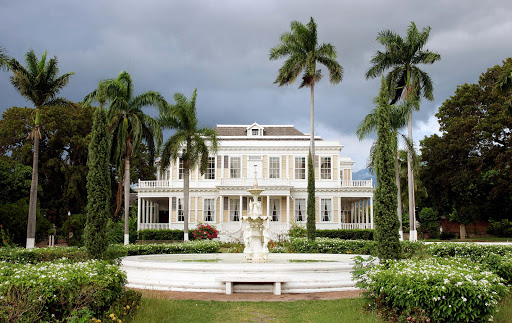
(357, 183)
(250, 182)
(154, 184)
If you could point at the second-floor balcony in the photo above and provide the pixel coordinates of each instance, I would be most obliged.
(243, 182)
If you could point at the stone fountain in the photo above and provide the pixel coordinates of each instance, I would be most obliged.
(256, 235)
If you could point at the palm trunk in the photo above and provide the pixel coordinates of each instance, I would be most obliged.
(410, 177)
(186, 184)
(32, 206)
(126, 199)
(398, 196)
(312, 134)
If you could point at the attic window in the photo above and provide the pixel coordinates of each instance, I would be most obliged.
(255, 132)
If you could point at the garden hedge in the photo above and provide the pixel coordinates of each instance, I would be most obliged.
(347, 234)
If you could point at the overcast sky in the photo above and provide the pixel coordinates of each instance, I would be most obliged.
(222, 47)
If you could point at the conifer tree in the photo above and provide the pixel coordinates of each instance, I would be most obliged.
(98, 186)
(386, 221)
(311, 220)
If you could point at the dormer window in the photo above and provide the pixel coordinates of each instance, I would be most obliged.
(255, 132)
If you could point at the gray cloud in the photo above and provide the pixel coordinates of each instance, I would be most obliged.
(221, 48)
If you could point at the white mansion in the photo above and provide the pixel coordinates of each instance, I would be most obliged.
(277, 155)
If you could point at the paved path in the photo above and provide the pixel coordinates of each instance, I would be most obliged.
(248, 297)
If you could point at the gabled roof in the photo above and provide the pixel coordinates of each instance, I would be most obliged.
(268, 130)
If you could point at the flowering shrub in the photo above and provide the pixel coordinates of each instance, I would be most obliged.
(435, 289)
(297, 230)
(53, 291)
(35, 255)
(204, 231)
(200, 246)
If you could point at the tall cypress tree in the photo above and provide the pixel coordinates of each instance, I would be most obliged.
(98, 186)
(386, 221)
(311, 220)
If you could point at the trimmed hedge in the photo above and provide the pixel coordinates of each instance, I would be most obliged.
(199, 246)
(433, 290)
(167, 234)
(59, 290)
(347, 234)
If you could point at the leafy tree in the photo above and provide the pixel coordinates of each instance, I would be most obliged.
(405, 80)
(38, 83)
(303, 52)
(98, 187)
(15, 179)
(190, 143)
(129, 126)
(468, 169)
(386, 220)
(311, 218)
(429, 222)
(4, 59)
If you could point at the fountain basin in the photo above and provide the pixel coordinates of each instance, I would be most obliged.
(299, 273)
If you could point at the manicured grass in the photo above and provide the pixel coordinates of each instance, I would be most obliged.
(504, 314)
(164, 310)
(484, 239)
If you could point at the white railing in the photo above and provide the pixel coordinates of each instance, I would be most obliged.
(356, 226)
(357, 183)
(153, 226)
(250, 182)
(154, 184)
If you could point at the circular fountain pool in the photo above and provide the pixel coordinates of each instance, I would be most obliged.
(297, 273)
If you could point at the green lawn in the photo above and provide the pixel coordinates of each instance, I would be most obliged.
(342, 310)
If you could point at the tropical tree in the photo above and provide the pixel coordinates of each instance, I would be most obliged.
(4, 59)
(303, 52)
(129, 126)
(190, 143)
(405, 80)
(37, 82)
(397, 120)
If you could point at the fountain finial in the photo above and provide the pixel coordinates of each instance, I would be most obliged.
(255, 180)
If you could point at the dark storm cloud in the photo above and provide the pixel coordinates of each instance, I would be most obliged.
(221, 47)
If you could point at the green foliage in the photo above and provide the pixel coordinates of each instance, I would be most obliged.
(123, 307)
(311, 213)
(347, 234)
(386, 221)
(116, 230)
(51, 291)
(76, 229)
(200, 246)
(297, 230)
(204, 231)
(167, 234)
(447, 235)
(435, 289)
(98, 187)
(15, 178)
(429, 222)
(500, 229)
(469, 168)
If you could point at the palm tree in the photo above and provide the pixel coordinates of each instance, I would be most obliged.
(398, 120)
(38, 83)
(405, 80)
(129, 126)
(191, 144)
(303, 52)
(4, 59)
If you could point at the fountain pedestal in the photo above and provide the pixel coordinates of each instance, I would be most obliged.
(256, 228)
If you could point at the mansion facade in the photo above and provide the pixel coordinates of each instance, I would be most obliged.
(277, 156)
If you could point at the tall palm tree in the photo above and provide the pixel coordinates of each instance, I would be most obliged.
(405, 81)
(129, 126)
(303, 52)
(191, 144)
(398, 120)
(38, 83)
(4, 59)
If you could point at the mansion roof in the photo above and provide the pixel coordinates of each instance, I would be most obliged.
(267, 131)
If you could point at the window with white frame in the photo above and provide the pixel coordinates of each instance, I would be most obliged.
(275, 209)
(210, 171)
(234, 209)
(255, 132)
(325, 167)
(273, 167)
(209, 210)
(341, 174)
(181, 169)
(326, 210)
(300, 167)
(300, 210)
(235, 167)
(181, 216)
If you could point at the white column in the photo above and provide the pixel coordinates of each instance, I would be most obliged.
(196, 209)
(268, 206)
(151, 210)
(241, 210)
(221, 215)
(144, 211)
(371, 212)
(287, 207)
(170, 211)
(287, 170)
(340, 211)
(138, 213)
